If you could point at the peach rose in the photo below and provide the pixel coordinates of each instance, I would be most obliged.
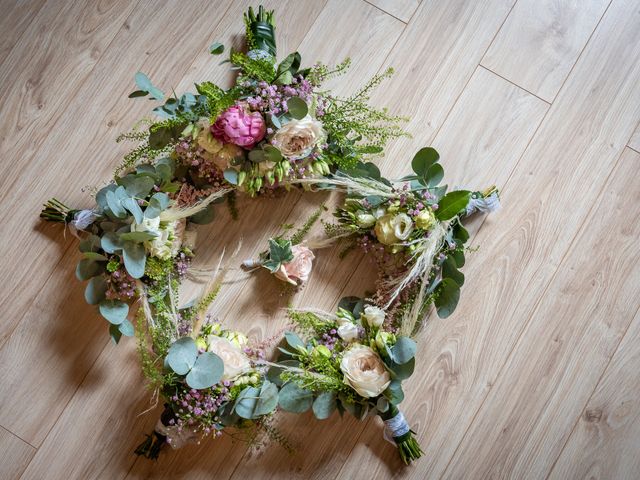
(297, 270)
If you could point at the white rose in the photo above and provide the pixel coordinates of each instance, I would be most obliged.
(167, 240)
(365, 220)
(373, 315)
(347, 330)
(236, 363)
(402, 226)
(297, 138)
(364, 371)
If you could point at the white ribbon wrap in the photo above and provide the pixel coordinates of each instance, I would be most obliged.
(484, 204)
(176, 438)
(395, 427)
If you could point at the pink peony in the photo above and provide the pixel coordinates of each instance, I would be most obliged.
(297, 270)
(237, 126)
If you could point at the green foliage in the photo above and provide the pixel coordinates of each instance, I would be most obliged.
(452, 204)
(302, 232)
(258, 69)
(279, 253)
(260, 30)
(217, 99)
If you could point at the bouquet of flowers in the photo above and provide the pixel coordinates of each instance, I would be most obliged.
(350, 362)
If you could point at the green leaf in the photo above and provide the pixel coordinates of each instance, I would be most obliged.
(115, 333)
(434, 175)
(206, 372)
(294, 399)
(256, 156)
(280, 251)
(95, 291)
(126, 328)
(182, 355)
(450, 270)
(114, 311)
(394, 392)
(160, 138)
(458, 256)
(423, 160)
(273, 374)
(110, 242)
(137, 186)
(448, 294)
(452, 204)
(290, 63)
(404, 350)
(135, 258)
(158, 203)
(268, 400)
(402, 371)
(284, 79)
(144, 83)
(460, 233)
(138, 237)
(216, 48)
(324, 405)
(246, 402)
(98, 257)
(231, 176)
(131, 204)
(115, 205)
(297, 107)
(88, 268)
(90, 244)
(138, 93)
(294, 340)
(272, 154)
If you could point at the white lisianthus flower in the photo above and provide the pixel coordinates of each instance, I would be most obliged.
(298, 138)
(364, 371)
(347, 330)
(235, 361)
(373, 315)
(402, 226)
(365, 220)
(167, 240)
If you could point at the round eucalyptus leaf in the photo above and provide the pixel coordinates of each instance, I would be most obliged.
(114, 311)
(268, 400)
(88, 268)
(96, 288)
(231, 176)
(246, 402)
(110, 242)
(294, 340)
(324, 405)
(131, 204)
(297, 107)
(404, 350)
(182, 355)
(126, 328)
(135, 258)
(394, 392)
(294, 399)
(206, 371)
(448, 296)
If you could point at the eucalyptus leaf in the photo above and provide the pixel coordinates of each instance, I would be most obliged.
(135, 258)
(324, 405)
(115, 205)
(115, 311)
(272, 154)
(137, 186)
(246, 402)
(294, 340)
(256, 156)
(206, 372)
(268, 400)
(98, 257)
(394, 392)
(450, 270)
(403, 350)
(182, 355)
(423, 160)
(95, 291)
(126, 328)
(434, 175)
(231, 176)
(111, 242)
(294, 399)
(115, 333)
(297, 107)
(448, 294)
(402, 371)
(131, 204)
(88, 268)
(138, 237)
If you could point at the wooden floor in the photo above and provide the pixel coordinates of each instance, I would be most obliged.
(537, 373)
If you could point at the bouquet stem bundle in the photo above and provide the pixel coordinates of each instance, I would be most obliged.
(397, 429)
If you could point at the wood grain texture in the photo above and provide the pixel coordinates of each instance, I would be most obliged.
(540, 42)
(505, 385)
(15, 455)
(604, 442)
(401, 9)
(566, 346)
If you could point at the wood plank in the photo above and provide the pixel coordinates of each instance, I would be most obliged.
(604, 442)
(541, 41)
(522, 245)
(532, 408)
(15, 455)
(477, 149)
(401, 9)
(16, 17)
(635, 140)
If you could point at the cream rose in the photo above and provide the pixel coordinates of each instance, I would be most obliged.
(365, 220)
(168, 238)
(364, 371)
(385, 230)
(402, 226)
(297, 270)
(425, 219)
(236, 363)
(374, 316)
(347, 330)
(297, 138)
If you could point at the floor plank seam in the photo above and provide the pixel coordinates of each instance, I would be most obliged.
(384, 11)
(18, 437)
(514, 84)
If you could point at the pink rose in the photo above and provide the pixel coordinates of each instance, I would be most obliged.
(237, 126)
(297, 270)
